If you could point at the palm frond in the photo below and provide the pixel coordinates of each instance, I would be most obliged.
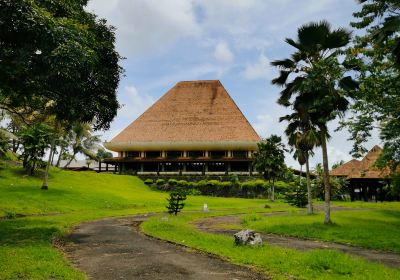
(282, 78)
(313, 35)
(290, 89)
(337, 39)
(6, 134)
(284, 63)
(293, 43)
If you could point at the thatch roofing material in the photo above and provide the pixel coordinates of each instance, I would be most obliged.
(363, 169)
(191, 112)
(345, 169)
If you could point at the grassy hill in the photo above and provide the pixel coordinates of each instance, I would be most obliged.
(26, 250)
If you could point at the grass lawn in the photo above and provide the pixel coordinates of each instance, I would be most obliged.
(280, 263)
(377, 229)
(26, 250)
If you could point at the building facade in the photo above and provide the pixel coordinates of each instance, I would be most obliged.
(365, 181)
(196, 127)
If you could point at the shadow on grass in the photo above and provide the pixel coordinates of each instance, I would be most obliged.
(22, 232)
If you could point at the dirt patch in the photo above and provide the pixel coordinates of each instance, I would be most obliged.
(216, 225)
(115, 249)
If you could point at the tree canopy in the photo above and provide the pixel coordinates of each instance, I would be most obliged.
(375, 57)
(56, 58)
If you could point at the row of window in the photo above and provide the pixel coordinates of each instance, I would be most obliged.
(189, 154)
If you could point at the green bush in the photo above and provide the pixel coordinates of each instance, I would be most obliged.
(160, 182)
(297, 196)
(148, 181)
(193, 192)
(172, 182)
(182, 184)
(234, 178)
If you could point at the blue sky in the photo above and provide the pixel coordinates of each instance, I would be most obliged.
(167, 41)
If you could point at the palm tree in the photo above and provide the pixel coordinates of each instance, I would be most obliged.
(316, 83)
(82, 141)
(302, 137)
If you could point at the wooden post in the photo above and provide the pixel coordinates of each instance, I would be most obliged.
(99, 166)
(107, 167)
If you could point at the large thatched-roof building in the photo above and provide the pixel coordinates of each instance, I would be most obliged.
(194, 127)
(365, 180)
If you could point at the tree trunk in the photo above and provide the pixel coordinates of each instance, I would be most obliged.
(60, 156)
(309, 191)
(46, 172)
(327, 219)
(69, 162)
(54, 153)
(273, 190)
(301, 173)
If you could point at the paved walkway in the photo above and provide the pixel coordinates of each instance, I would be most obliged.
(114, 249)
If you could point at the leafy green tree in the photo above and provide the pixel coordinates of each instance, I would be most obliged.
(102, 154)
(57, 59)
(55, 56)
(35, 140)
(338, 185)
(375, 57)
(269, 160)
(382, 18)
(317, 81)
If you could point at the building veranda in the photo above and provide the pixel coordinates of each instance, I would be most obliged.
(195, 128)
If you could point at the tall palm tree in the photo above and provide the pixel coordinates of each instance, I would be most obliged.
(313, 77)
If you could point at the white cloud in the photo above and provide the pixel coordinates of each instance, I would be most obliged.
(223, 53)
(259, 70)
(146, 25)
(134, 103)
(263, 125)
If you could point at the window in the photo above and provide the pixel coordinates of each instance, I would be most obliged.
(217, 154)
(239, 154)
(195, 154)
(132, 154)
(153, 154)
(174, 154)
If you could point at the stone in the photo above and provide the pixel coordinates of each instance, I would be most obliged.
(205, 207)
(247, 237)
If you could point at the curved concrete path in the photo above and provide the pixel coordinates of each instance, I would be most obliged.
(213, 225)
(115, 249)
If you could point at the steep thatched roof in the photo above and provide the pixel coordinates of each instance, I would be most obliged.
(345, 169)
(363, 169)
(191, 112)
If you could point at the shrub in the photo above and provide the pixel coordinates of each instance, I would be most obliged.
(172, 182)
(182, 184)
(193, 192)
(160, 182)
(148, 181)
(297, 196)
(234, 178)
